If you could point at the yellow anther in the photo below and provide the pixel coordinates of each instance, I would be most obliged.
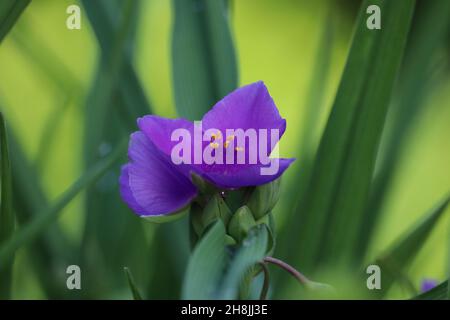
(214, 145)
(238, 149)
(216, 136)
(230, 137)
(226, 143)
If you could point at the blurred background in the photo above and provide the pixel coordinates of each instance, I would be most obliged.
(50, 79)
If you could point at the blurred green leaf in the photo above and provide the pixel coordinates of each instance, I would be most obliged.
(99, 100)
(345, 159)
(133, 288)
(430, 28)
(398, 257)
(204, 62)
(294, 188)
(10, 11)
(7, 217)
(49, 64)
(109, 226)
(437, 293)
(206, 265)
(168, 256)
(47, 216)
(103, 17)
(52, 249)
(48, 137)
(252, 250)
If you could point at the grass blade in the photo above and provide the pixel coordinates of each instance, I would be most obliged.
(30, 231)
(403, 251)
(52, 249)
(437, 293)
(133, 288)
(7, 217)
(106, 215)
(10, 11)
(430, 29)
(103, 20)
(345, 159)
(296, 186)
(204, 63)
(206, 265)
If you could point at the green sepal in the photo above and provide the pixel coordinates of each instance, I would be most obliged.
(163, 218)
(204, 186)
(264, 198)
(215, 209)
(269, 222)
(229, 241)
(241, 222)
(195, 217)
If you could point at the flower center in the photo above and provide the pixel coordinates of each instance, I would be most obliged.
(218, 136)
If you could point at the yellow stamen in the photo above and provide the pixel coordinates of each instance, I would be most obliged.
(214, 145)
(226, 143)
(216, 136)
(230, 137)
(239, 149)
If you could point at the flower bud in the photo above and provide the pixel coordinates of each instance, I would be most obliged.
(241, 222)
(264, 198)
(215, 208)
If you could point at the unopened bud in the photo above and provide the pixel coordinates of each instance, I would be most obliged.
(241, 222)
(264, 198)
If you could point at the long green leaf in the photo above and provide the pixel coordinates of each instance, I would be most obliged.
(206, 265)
(345, 159)
(295, 187)
(431, 25)
(204, 63)
(437, 293)
(7, 217)
(10, 11)
(252, 251)
(30, 231)
(52, 249)
(103, 18)
(394, 261)
(132, 284)
(115, 89)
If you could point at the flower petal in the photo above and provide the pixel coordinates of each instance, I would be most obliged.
(248, 107)
(245, 175)
(150, 183)
(159, 130)
(125, 190)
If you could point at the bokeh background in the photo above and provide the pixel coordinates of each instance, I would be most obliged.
(47, 74)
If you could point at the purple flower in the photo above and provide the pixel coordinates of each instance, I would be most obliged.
(427, 285)
(153, 184)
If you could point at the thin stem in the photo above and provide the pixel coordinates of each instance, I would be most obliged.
(296, 274)
(265, 287)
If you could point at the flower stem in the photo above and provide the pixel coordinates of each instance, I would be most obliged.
(265, 287)
(296, 274)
